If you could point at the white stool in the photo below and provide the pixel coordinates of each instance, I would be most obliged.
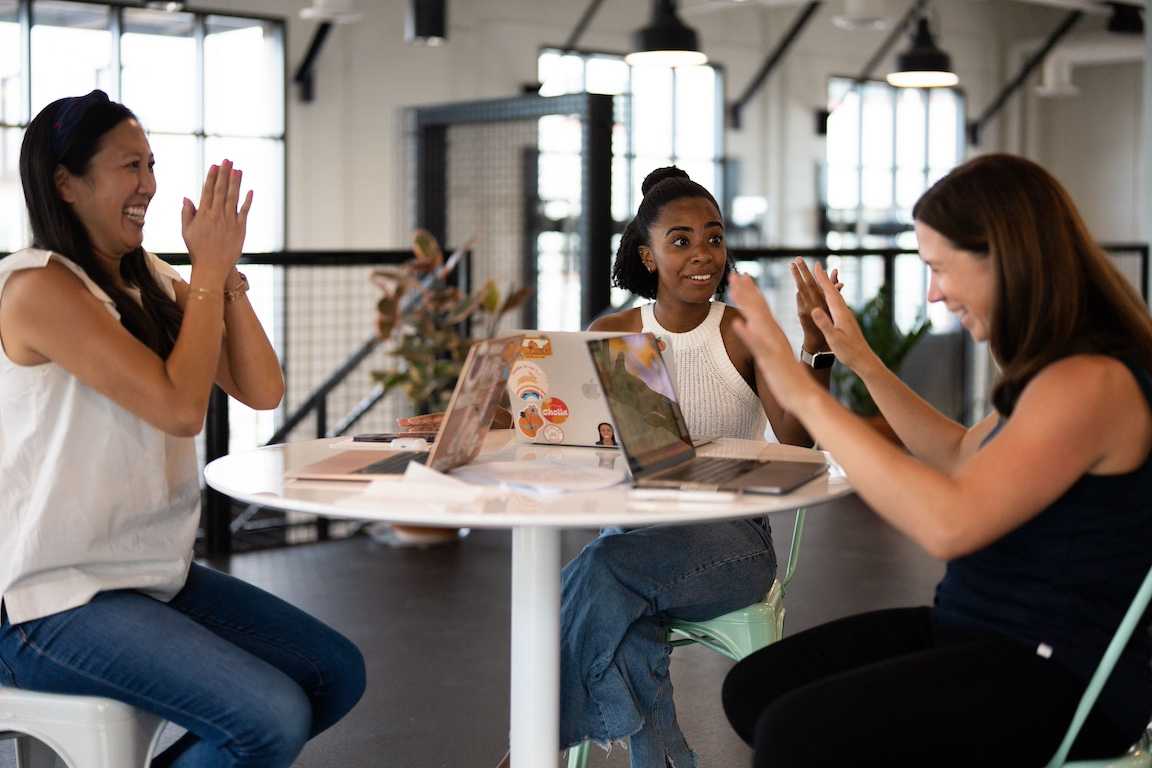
(79, 731)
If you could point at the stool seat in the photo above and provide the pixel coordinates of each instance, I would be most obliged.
(78, 731)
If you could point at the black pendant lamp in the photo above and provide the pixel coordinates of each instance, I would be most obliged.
(427, 22)
(923, 65)
(666, 41)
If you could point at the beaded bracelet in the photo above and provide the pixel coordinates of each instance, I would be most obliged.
(200, 294)
(237, 293)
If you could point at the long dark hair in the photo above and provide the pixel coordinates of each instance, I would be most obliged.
(659, 188)
(55, 226)
(1057, 292)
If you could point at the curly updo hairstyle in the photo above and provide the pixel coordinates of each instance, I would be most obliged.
(660, 187)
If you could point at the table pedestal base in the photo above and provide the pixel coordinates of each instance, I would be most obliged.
(535, 710)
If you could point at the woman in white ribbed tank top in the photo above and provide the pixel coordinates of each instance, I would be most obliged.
(622, 588)
(107, 361)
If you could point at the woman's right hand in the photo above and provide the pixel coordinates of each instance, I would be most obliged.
(839, 326)
(214, 231)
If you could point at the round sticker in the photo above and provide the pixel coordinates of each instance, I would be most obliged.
(552, 434)
(528, 421)
(555, 410)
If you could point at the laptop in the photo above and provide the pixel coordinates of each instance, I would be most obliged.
(554, 393)
(654, 436)
(461, 434)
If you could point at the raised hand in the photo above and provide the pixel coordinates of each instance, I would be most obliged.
(810, 297)
(787, 377)
(837, 323)
(214, 231)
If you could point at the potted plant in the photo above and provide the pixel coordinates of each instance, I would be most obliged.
(430, 326)
(890, 344)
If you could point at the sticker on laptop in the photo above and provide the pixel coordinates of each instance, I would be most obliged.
(536, 348)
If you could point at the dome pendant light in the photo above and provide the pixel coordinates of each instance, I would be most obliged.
(666, 41)
(923, 65)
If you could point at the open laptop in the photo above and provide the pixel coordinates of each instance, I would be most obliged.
(461, 434)
(654, 435)
(554, 393)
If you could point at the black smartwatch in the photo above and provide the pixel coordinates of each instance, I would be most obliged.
(819, 361)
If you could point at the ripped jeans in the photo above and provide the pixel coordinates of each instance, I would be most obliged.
(617, 597)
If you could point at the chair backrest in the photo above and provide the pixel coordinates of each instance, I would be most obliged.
(1119, 640)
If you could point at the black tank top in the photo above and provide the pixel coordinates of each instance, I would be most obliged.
(1062, 581)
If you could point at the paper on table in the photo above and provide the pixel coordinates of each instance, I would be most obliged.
(425, 483)
(540, 477)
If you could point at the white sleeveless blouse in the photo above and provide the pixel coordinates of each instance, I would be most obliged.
(715, 398)
(94, 498)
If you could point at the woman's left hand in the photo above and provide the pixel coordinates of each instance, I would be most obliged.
(809, 296)
(787, 377)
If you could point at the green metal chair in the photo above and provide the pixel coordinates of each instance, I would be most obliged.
(735, 634)
(1140, 755)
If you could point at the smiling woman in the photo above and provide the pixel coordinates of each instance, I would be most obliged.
(107, 362)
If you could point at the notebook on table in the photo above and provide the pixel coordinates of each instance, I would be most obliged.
(654, 436)
(462, 431)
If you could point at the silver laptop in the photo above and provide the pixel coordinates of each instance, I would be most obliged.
(554, 393)
(654, 436)
(462, 430)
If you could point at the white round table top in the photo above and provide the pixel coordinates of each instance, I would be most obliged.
(258, 477)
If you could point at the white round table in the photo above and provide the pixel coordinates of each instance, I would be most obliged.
(257, 477)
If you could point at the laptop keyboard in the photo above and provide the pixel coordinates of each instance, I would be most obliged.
(394, 464)
(710, 471)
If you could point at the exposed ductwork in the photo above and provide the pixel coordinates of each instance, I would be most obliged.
(1056, 80)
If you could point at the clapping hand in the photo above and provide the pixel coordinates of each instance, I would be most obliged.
(837, 323)
(214, 231)
(787, 377)
(809, 297)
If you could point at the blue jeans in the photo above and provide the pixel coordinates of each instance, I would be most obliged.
(617, 598)
(250, 677)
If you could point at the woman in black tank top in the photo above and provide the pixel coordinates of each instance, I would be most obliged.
(1041, 510)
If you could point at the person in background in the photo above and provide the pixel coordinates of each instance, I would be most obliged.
(1041, 510)
(622, 590)
(107, 363)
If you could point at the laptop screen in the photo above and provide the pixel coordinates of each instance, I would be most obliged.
(642, 400)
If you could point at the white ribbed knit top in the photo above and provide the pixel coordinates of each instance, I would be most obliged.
(715, 398)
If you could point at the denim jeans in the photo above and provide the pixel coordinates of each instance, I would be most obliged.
(249, 676)
(617, 598)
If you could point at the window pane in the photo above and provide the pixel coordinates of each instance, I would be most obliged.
(703, 172)
(561, 74)
(243, 77)
(560, 133)
(13, 218)
(944, 129)
(11, 65)
(910, 128)
(262, 161)
(158, 56)
(80, 30)
(877, 125)
(696, 112)
(177, 176)
(559, 177)
(652, 110)
(606, 75)
(843, 139)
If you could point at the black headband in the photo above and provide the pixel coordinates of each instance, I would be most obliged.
(69, 113)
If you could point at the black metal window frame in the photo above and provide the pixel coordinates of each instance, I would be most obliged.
(428, 132)
(25, 10)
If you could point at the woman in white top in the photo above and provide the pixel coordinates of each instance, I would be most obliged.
(623, 588)
(107, 362)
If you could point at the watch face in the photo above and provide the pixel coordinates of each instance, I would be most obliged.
(823, 360)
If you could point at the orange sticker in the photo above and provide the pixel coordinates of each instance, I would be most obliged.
(536, 348)
(555, 410)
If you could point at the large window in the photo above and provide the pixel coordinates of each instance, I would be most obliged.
(205, 87)
(664, 116)
(885, 146)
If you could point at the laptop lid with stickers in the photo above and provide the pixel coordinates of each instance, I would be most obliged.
(554, 393)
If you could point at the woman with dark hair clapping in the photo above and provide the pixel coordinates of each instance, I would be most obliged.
(107, 363)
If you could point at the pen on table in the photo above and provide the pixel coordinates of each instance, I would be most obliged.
(675, 494)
